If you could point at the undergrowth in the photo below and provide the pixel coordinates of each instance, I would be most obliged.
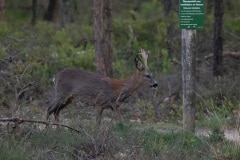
(113, 141)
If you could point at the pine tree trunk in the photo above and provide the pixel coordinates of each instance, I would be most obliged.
(108, 39)
(218, 41)
(34, 11)
(51, 10)
(2, 2)
(103, 44)
(167, 6)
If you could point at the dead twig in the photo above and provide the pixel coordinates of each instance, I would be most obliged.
(226, 54)
(20, 120)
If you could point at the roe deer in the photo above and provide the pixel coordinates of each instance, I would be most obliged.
(99, 91)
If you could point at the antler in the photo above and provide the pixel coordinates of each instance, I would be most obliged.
(144, 56)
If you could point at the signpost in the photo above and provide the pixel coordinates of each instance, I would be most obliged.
(191, 17)
(191, 14)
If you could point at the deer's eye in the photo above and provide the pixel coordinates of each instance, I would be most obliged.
(148, 76)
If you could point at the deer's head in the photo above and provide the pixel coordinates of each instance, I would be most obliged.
(144, 75)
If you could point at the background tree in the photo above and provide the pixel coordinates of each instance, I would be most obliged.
(2, 9)
(102, 32)
(167, 6)
(34, 11)
(218, 40)
(63, 12)
(51, 12)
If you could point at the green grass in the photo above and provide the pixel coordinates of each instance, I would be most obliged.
(47, 144)
(120, 141)
(215, 121)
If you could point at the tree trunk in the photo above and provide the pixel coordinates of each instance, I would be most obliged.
(188, 78)
(218, 41)
(51, 10)
(63, 12)
(98, 35)
(108, 39)
(103, 46)
(167, 5)
(34, 11)
(2, 9)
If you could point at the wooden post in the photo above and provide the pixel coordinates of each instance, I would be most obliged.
(188, 78)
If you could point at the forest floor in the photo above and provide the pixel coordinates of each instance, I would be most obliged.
(231, 134)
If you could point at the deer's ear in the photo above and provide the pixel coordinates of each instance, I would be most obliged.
(139, 64)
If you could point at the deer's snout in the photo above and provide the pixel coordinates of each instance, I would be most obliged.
(154, 85)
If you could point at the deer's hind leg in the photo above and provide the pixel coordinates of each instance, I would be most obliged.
(66, 102)
(98, 114)
(52, 108)
(57, 106)
(49, 111)
(117, 114)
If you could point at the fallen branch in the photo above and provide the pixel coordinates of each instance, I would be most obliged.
(20, 120)
(175, 61)
(225, 54)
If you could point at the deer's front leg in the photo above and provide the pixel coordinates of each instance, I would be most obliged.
(98, 113)
(117, 114)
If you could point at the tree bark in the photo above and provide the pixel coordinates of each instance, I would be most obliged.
(98, 34)
(34, 11)
(108, 39)
(2, 2)
(218, 41)
(51, 10)
(103, 46)
(63, 12)
(167, 6)
(188, 78)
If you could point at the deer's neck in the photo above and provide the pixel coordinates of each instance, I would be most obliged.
(131, 84)
(126, 87)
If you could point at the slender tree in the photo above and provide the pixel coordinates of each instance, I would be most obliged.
(2, 2)
(34, 11)
(218, 40)
(102, 11)
(108, 39)
(63, 10)
(51, 10)
(167, 6)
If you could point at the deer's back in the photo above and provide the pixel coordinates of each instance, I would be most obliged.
(89, 87)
